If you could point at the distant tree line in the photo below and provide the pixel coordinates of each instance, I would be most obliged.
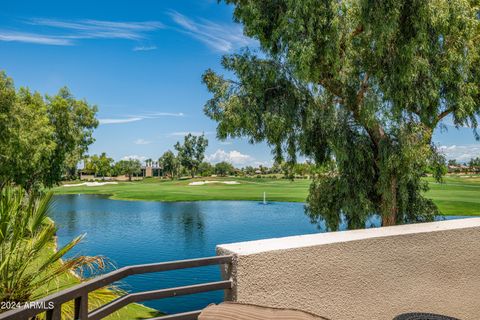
(170, 166)
(104, 166)
(189, 161)
(190, 155)
(472, 166)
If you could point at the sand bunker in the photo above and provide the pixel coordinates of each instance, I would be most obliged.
(89, 184)
(201, 183)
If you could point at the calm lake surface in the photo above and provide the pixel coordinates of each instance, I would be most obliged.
(137, 232)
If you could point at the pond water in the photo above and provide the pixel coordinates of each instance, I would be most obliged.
(137, 232)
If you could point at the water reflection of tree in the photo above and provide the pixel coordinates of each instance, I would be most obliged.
(63, 209)
(185, 218)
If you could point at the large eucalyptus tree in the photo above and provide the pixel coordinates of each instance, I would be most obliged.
(364, 82)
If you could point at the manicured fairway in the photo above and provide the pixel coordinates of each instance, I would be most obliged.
(153, 189)
(458, 195)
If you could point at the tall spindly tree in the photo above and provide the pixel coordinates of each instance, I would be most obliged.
(169, 164)
(192, 152)
(362, 82)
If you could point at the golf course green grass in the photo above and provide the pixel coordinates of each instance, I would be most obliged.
(457, 195)
(153, 189)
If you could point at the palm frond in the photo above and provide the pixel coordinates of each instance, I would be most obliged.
(30, 268)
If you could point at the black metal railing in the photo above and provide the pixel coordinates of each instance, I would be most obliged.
(79, 293)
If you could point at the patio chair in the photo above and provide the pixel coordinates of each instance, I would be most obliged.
(422, 316)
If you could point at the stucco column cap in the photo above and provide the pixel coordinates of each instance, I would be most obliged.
(285, 243)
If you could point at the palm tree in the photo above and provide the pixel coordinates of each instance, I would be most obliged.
(28, 261)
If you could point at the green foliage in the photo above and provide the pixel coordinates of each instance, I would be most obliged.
(453, 162)
(26, 143)
(73, 122)
(224, 168)
(25, 236)
(99, 165)
(192, 152)
(301, 170)
(169, 164)
(249, 170)
(149, 162)
(205, 169)
(128, 167)
(474, 162)
(474, 165)
(362, 83)
(41, 139)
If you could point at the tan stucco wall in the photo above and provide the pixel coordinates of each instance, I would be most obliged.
(87, 177)
(148, 172)
(364, 274)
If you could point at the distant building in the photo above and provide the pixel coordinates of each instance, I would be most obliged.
(151, 169)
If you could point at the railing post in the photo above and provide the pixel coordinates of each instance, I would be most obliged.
(55, 313)
(81, 307)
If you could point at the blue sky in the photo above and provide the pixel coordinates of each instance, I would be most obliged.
(141, 63)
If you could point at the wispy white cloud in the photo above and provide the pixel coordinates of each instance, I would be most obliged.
(91, 29)
(220, 37)
(234, 157)
(134, 157)
(119, 120)
(165, 114)
(67, 32)
(461, 153)
(10, 36)
(142, 141)
(91, 24)
(155, 115)
(144, 48)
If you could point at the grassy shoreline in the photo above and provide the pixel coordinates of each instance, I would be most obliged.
(458, 195)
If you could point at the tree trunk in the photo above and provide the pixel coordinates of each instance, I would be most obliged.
(389, 205)
(129, 177)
